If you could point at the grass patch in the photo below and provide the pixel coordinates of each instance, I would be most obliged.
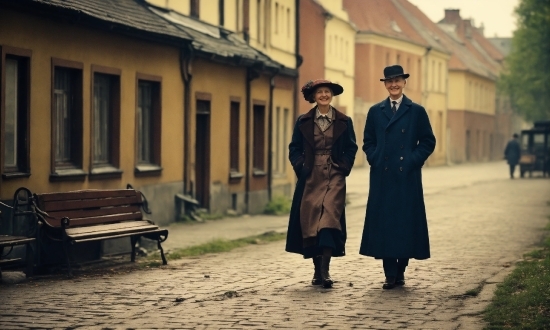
(278, 205)
(522, 301)
(215, 246)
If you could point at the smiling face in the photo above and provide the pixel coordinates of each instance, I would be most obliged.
(395, 87)
(323, 96)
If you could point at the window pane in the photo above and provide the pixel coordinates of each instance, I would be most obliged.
(10, 125)
(62, 108)
(145, 123)
(102, 119)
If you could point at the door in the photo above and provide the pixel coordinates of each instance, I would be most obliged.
(202, 154)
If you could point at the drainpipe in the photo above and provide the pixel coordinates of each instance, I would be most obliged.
(186, 66)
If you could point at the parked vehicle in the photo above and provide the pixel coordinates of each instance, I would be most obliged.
(535, 149)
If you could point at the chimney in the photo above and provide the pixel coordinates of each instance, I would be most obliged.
(452, 16)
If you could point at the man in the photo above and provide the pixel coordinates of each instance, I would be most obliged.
(398, 139)
(512, 153)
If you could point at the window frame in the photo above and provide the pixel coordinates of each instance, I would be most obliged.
(72, 170)
(111, 170)
(23, 168)
(234, 139)
(153, 168)
(259, 138)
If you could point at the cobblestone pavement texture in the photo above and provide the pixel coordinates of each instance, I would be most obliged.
(480, 224)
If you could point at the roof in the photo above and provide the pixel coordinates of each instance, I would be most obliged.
(465, 55)
(384, 17)
(137, 18)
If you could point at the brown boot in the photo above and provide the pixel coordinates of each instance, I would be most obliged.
(325, 276)
(317, 274)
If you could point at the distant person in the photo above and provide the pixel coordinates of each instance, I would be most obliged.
(322, 153)
(512, 153)
(398, 139)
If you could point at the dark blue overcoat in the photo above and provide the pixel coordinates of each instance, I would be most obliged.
(302, 155)
(396, 147)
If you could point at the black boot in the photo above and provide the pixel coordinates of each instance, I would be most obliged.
(317, 274)
(325, 276)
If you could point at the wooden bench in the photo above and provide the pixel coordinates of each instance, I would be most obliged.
(21, 208)
(93, 215)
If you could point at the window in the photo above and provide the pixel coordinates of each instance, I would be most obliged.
(285, 136)
(148, 122)
(195, 4)
(221, 11)
(234, 129)
(288, 26)
(106, 121)
(259, 21)
(259, 132)
(440, 75)
(276, 17)
(277, 138)
(15, 110)
(66, 120)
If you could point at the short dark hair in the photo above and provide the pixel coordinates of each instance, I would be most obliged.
(515, 135)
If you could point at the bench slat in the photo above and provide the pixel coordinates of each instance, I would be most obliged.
(91, 221)
(160, 232)
(86, 194)
(115, 228)
(14, 240)
(95, 212)
(89, 203)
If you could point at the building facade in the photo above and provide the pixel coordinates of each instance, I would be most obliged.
(193, 121)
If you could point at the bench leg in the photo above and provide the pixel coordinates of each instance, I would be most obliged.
(133, 241)
(162, 253)
(30, 260)
(66, 249)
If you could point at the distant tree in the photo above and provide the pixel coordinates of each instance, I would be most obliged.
(526, 78)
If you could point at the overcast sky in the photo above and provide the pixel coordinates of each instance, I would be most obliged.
(497, 16)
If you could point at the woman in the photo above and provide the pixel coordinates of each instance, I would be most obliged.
(322, 153)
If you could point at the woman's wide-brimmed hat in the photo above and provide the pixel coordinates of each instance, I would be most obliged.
(309, 88)
(394, 71)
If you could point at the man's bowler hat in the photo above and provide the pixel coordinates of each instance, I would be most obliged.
(394, 71)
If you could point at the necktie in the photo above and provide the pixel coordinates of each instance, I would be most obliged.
(394, 107)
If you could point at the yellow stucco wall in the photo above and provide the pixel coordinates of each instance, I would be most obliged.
(471, 92)
(222, 82)
(340, 54)
(181, 6)
(276, 40)
(47, 39)
(283, 123)
(435, 101)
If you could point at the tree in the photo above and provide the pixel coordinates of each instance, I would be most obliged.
(526, 78)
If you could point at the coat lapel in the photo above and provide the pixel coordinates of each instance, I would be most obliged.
(403, 108)
(307, 126)
(386, 109)
(339, 124)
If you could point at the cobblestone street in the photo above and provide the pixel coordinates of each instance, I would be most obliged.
(480, 224)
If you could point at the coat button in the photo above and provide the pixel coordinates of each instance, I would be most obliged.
(403, 130)
(386, 132)
(386, 158)
(386, 169)
(400, 158)
(401, 169)
(401, 146)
